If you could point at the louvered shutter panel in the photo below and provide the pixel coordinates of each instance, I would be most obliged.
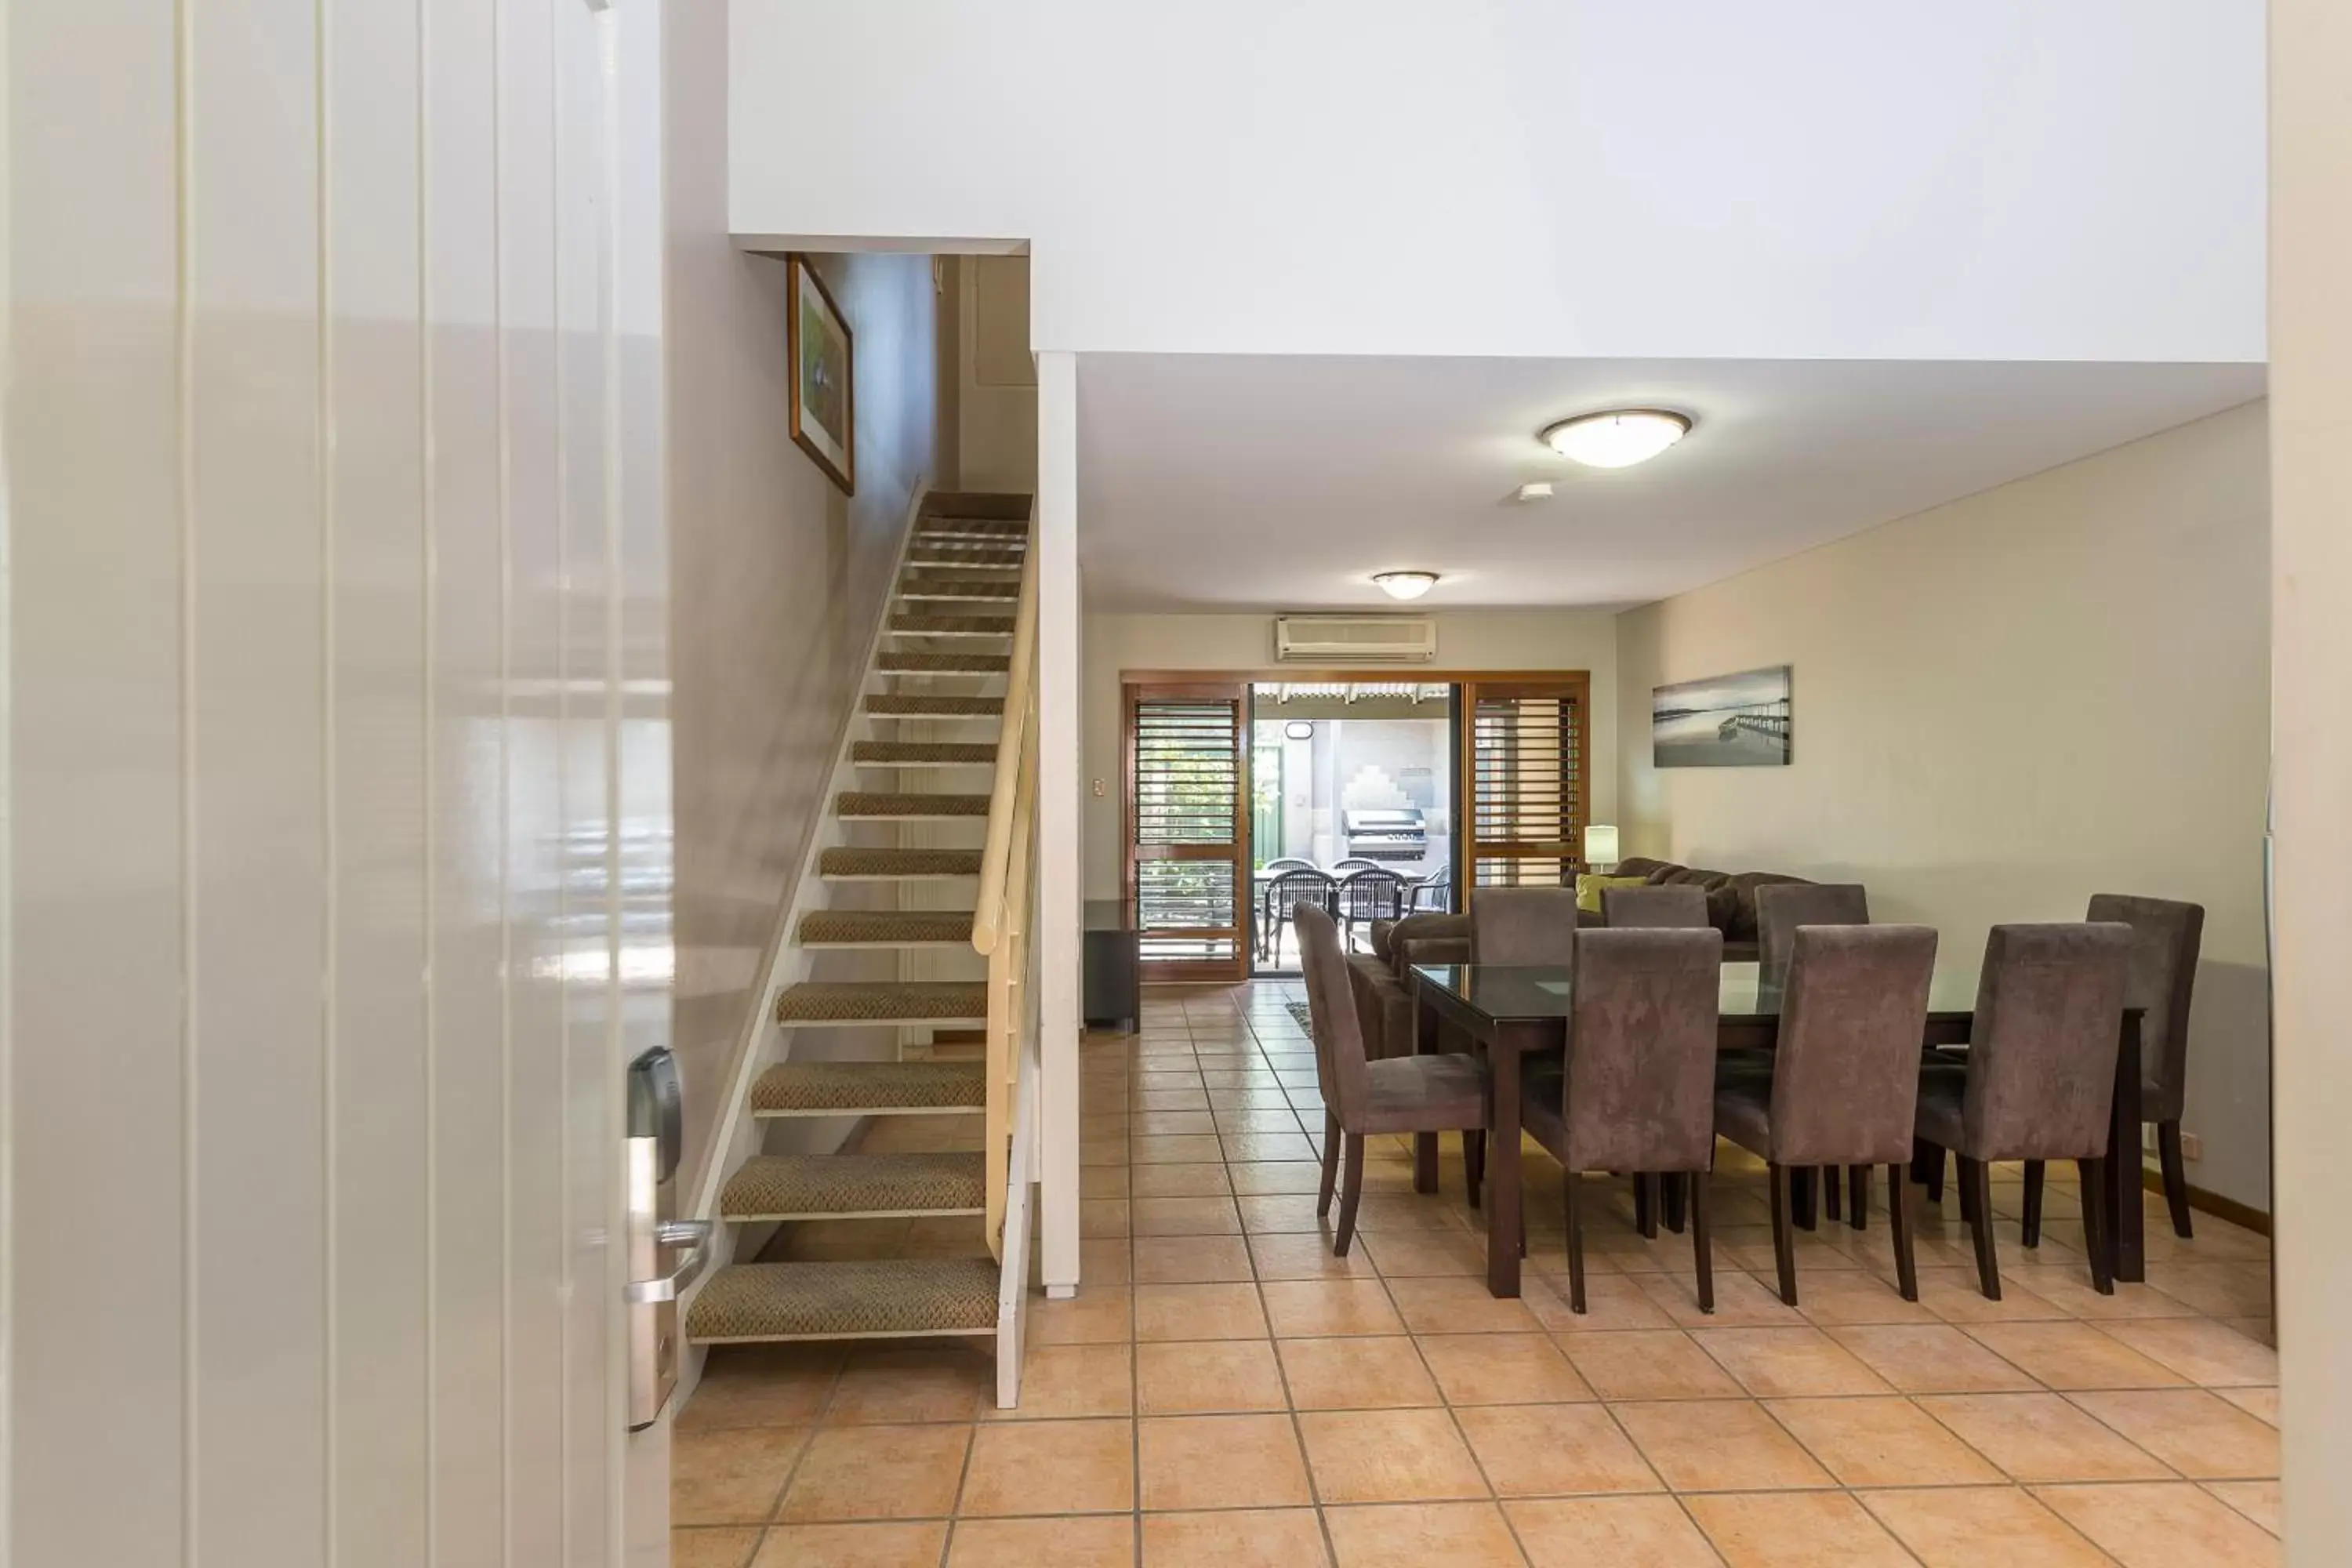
(1525, 756)
(1184, 818)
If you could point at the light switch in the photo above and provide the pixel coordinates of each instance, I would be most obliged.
(1099, 789)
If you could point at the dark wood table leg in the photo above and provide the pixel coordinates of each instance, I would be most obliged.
(1425, 1144)
(1503, 1194)
(2120, 1177)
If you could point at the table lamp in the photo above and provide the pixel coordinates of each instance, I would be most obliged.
(1600, 846)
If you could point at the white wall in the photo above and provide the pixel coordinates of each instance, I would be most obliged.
(2004, 705)
(1474, 639)
(996, 396)
(2011, 180)
(330, 554)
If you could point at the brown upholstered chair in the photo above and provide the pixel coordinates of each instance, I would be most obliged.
(1656, 908)
(1844, 1083)
(2162, 978)
(2040, 1078)
(1637, 1090)
(1782, 907)
(1523, 925)
(1428, 1093)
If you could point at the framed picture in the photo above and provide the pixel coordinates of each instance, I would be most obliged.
(824, 392)
(1724, 722)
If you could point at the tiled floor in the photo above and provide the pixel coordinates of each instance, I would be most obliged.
(1224, 1391)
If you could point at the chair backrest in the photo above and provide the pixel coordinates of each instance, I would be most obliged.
(1288, 863)
(1845, 1077)
(1641, 1049)
(1432, 894)
(2166, 937)
(1782, 907)
(1339, 1071)
(1375, 893)
(2041, 1051)
(1292, 888)
(1523, 925)
(1355, 863)
(1661, 908)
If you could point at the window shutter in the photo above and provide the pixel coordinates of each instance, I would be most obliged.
(1525, 757)
(1184, 840)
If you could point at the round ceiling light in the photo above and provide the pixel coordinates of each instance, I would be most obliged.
(1406, 584)
(1617, 437)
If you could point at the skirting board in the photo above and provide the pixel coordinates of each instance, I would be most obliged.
(2214, 1204)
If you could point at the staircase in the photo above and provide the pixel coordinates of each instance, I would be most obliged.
(909, 927)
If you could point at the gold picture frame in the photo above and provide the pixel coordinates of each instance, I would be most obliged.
(823, 364)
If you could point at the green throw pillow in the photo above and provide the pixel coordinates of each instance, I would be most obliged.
(1590, 883)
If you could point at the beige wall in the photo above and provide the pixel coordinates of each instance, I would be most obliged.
(2004, 705)
(1467, 640)
(995, 393)
(777, 575)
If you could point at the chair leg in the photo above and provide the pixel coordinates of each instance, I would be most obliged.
(1857, 1205)
(1474, 1162)
(2175, 1175)
(1830, 1195)
(1805, 1196)
(2095, 1239)
(1574, 1216)
(2033, 1222)
(1330, 1164)
(1646, 1205)
(1927, 1168)
(1967, 1194)
(1898, 1218)
(1784, 1239)
(1702, 1245)
(1976, 1187)
(1351, 1190)
(1675, 1200)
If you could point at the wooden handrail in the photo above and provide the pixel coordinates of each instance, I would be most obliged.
(1012, 748)
(1000, 918)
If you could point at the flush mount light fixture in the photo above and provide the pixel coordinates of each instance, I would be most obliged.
(1617, 437)
(1298, 729)
(1406, 584)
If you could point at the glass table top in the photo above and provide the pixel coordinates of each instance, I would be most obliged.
(1540, 992)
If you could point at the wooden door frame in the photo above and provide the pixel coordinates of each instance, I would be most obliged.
(1196, 686)
(1572, 685)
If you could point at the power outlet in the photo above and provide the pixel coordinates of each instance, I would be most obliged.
(2192, 1147)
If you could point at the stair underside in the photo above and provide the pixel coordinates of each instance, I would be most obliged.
(895, 662)
(923, 704)
(922, 753)
(884, 928)
(874, 803)
(883, 1002)
(845, 862)
(869, 1089)
(851, 1299)
(852, 1187)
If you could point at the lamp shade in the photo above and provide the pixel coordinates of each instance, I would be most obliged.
(1600, 845)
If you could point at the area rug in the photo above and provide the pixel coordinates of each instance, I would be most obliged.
(1306, 1019)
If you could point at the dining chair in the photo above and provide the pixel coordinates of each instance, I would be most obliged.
(1782, 907)
(1433, 1092)
(1362, 897)
(1523, 925)
(1432, 894)
(2040, 1076)
(1655, 908)
(1843, 1091)
(1354, 863)
(1284, 893)
(1288, 863)
(1636, 1089)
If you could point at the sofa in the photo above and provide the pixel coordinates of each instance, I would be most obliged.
(1730, 898)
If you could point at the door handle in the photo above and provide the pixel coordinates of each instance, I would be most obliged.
(693, 1235)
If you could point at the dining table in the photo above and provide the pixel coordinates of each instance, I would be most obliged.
(1515, 1011)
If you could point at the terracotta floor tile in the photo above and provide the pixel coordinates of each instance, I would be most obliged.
(1284, 1213)
(1741, 1300)
(1787, 1361)
(731, 1476)
(1198, 1312)
(1387, 1456)
(1305, 1308)
(1258, 1178)
(1059, 1380)
(1104, 1261)
(2072, 1355)
(1611, 1302)
(2068, 1289)
(1459, 1305)
(1610, 1533)
(1553, 1450)
(1952, 1295)
(2041, 1437)
(721, 1547)
(1502, 1369)
(1931, 1358)
(1854, 1296)
(876, 1472)
(1882, 1443)
(1221, 1461)
(1357, 1373)
(1186, 1216)
(1968, 1527)
(2258, 1501)
(1104, 1219)
(2174, 1525)
(2202, 1435)
(1104, 1542)
(1050, 1466)
(1647, 1364)
(1191, 1259)
(1168, 1124)
(1306, 1256)
(1176, 1148)
(895, 1385)
(1236, 1538)
(1457, 1534)
(2218, 1289)
(1112, 1181)
(1199, 1376)
(1716, 1444)
(1097, 1314)
(1408, 1254)
(1202, 1181)
(911, 1546)
(2201, 1350)
(762, 1385)
(2261, 1404)
(1793, 1529)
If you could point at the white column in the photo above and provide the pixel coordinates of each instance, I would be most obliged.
(1058, 766)
(2311, 657)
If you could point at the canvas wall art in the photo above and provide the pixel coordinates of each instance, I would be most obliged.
(819, 345)
(1724, 722)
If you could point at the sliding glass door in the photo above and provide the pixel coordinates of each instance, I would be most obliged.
(1187, 879)
(1524, 784)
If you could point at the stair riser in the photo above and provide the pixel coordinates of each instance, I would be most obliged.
(848, 1214)
(986, 1333)
(935, 945)
(906, 877)
(963, 1023)
(836, 1112)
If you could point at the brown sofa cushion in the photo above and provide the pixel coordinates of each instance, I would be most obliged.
(1739, 896)
(1644, 865)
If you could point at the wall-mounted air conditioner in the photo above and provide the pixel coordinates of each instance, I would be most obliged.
(1367, 639)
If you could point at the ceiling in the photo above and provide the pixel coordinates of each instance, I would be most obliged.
(1216, 481)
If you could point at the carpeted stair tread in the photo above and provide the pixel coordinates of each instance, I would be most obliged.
(916, 587)
(787, 1186)
(915, 704)
(821, 928)
(952, 625)
(880, 1002)
(814, 1087)
(965, 553)
(849, 861)
(898, 663)
(876, 803)
(895, 751)
(846, 1298)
